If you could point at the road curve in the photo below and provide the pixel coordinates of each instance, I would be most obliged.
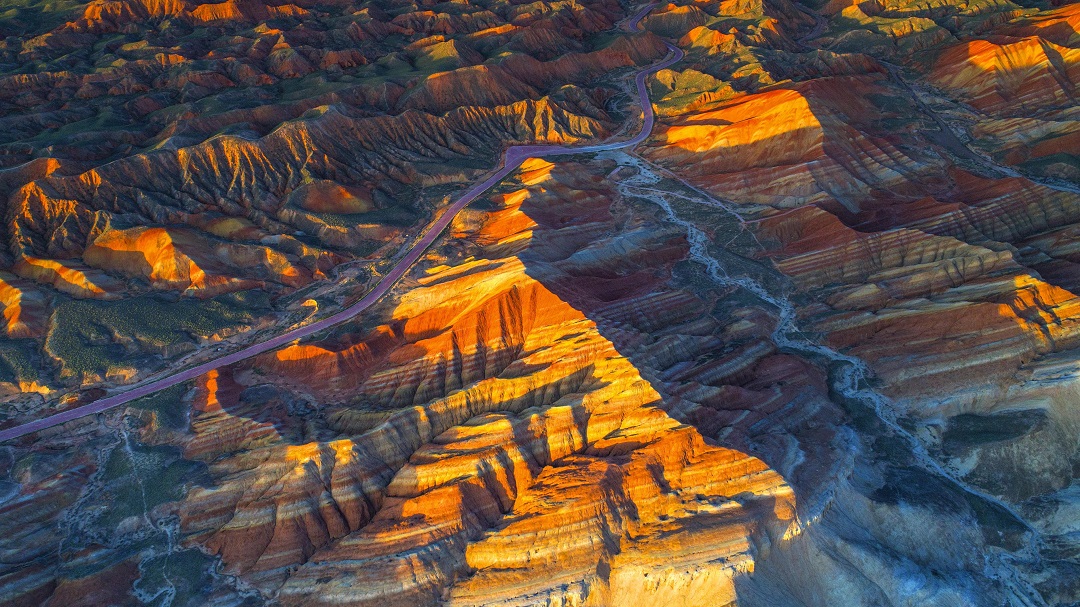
(514, 156)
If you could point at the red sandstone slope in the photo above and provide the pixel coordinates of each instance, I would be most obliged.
(814, 342)
(923, 208)
(249, 148)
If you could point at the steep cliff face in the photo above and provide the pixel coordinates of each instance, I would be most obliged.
(242, 147)
(476, 428)
(541, 415)
(491, 423)
(922, 208)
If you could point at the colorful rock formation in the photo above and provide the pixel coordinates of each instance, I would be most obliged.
(814, 342)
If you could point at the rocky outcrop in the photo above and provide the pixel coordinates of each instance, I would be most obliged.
(813, 342)
(164, 258)
(789, 146)
(544, 401)
(24, 307)
(1027, 74)
(241, 150)
(484, 399)
(946, 270)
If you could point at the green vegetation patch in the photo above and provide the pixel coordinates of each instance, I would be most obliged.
(168, 405)
(143, 477)
(180, 577)
(94, 337)
(17, 361)
(33, 17)
(674, 92)
(401, 217)
(969, 430)
(107, 119)
(1058, 166)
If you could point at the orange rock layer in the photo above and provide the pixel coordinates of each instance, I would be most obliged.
(507, 435)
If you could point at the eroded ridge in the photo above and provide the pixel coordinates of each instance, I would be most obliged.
(804, 333)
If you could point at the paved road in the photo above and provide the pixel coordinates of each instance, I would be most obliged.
(820, 23)
(513, 158)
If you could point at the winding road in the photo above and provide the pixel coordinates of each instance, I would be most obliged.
(512, 159)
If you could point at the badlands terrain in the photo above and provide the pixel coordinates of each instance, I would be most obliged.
(811, 338)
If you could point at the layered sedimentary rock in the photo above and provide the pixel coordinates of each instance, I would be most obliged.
(23, 307)
(1028, 73)
(812, 343)
(486, 397)
(789, 146)
(927, 233)
(243, 147)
